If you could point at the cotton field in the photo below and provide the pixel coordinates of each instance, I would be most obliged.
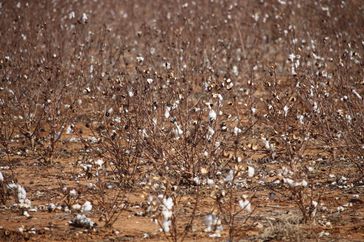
(211, 120)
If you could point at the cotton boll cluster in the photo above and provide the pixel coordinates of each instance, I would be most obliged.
(23, 201)
(291, 183)
(213, 224)
(167, 213)
(81, 221)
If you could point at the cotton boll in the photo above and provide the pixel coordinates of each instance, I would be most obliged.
(26, 214)
(289, 182)
(69, 129)
(1, 177)
(51, 207)
(166, 112)
(177, 131)
(212, 115)
(304, 183)
(245, 204)
(150, 81)
(166, 225)
(167, 214)
(267, 145)
(12, 185)
(73, 193)
(82, 221)
(22, 194)
(76, 207)
(230, 176)
(210, 133)
(86, 207)
(197, 180)
(251, 171)
(210, 221)
(26, 203)
(99, 162)
(84, 18)
(237, 131)
(168, 203)
(210, 182)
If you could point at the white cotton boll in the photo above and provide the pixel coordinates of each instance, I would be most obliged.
(69, 129)
(166, 112)
(177, 131)
(71, 15)
(109, 111)
(212, 115)
(251, 171)
(314, 203)
(155, 121)
(267, 145)
(12, 185)
(84, 18)
(210, 182)
(26, 214)
(210, 133)
(130, 93)
(99, 162)
(86, 207)
(82, 221)
(166, 225)
(253, 110)
(85, 167)
(230, 176)
(205, 153)
(51, 207)
(246, 205)
(73, 193)
(215, 235)
(167, 214)
(197, 180)
(289, 182)
(235, 70)
(76, 207)
(150, 80)
(140, 59)
(210, 221)
(237, 131)
(304, 183)
(340, 209)
(168, 203)
(1, 177)
(300, 118)
(285, 109)
(22, 194)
